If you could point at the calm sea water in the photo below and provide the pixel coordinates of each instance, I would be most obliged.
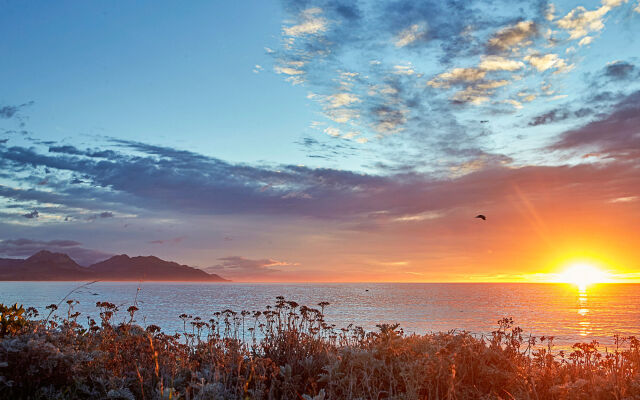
(540, 309)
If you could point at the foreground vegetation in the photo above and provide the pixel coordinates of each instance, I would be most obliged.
(289, 352)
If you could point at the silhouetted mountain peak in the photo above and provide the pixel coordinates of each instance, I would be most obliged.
(123, 267)
(148, 259)
(119, 257)
(47, 266)
(43, 266)
(45, 256)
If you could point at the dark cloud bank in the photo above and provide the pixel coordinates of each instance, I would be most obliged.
(148, 177)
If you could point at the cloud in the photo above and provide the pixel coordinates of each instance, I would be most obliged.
(66, 149)
(332, 131)
(328, 151)
(176, 240)
(513, 36)
(22, 248)
(526, 97)
(311, 23)
(169, 180)
(558, 115)
(613, 3)
(626, 199)
(339, 100)
(410, 35)
(585, 41)
(550, 12)
(32, 215)
(621, 71)
(240, 268)
(288, 70)
(616, 135)
(403, 70)
(172, 179)
(515, 103)
(497, 63)
(390, 94)
(28, 242)
(7, 112)
(93, 153)
(472, 95)
(579, 22)
(102, 215)
(399, 205)
(292, 70)
(548, 61)
(448, 25)
(457, 76)
(388, 120)
(476, 90)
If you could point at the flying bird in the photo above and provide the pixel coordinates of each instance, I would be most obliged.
(484, 121)
(482, 217)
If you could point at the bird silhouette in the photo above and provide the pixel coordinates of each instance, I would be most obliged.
(482, 217)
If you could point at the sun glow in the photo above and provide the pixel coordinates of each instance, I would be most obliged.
(583, 275)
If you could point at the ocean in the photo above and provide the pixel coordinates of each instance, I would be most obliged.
(560, 310)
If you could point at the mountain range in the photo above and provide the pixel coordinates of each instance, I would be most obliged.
(48, 266)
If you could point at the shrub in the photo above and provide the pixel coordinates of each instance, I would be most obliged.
(288, 351)
(11, 319)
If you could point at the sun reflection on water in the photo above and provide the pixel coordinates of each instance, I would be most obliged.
(583, 310)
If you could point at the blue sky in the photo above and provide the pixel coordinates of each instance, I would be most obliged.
(270, 132)
(153, 72)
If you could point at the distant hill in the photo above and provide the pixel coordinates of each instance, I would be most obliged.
(48, 266)
(123, 267)
(43, 266)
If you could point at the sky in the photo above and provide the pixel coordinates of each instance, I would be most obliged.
(333, 140)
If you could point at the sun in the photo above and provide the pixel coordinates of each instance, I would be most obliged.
(583, 274)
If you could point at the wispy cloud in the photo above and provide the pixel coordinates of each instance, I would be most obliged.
(310, 22)
(175, 240)
(580, 22)
(511, 37)
(410, 35)
(457, 76)
(10, 111)
(544, 62)
(31, 215)
(559, 114)
(497, 63)
(240, 268)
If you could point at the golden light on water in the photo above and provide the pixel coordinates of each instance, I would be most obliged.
(583, 274)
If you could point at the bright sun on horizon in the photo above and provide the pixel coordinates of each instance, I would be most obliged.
(583, 274)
